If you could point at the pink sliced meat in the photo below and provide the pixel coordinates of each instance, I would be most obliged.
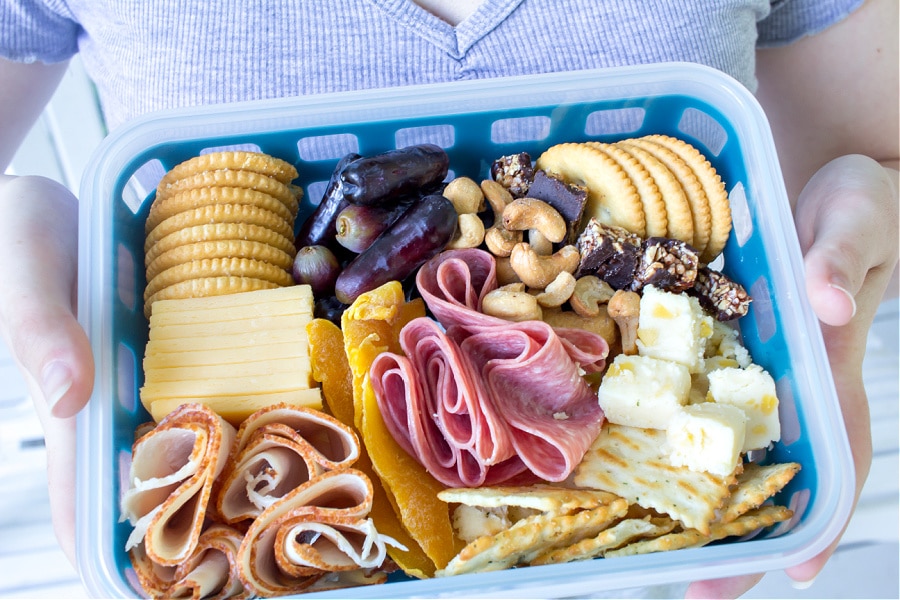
(454, 283)
(551, 413)
(487, 400)
(437, 411)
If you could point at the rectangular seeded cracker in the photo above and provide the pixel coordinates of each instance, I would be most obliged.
(754, 486)
(619, 534)
(530, 537)
(751, 521)
(544, 498)
(629, 462)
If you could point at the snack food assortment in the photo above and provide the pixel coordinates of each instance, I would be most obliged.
(565, 385)
(476, 123)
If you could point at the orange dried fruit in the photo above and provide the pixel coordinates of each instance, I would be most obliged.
(331, 368)
(371, 325)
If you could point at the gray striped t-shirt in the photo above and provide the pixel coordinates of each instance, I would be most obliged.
(155, 54)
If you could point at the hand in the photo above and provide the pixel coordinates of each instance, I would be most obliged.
(847, 223)
(38, 290)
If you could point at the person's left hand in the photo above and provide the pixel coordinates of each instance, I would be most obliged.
(847, 223)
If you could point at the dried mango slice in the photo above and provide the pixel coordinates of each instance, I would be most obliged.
(371, 325)
(331, 368)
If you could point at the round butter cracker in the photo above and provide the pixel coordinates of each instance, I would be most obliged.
(612, 197)
(693, 191)
(218, 267)
(713, 186)
(208, 286)
(679, 222)
(193, 198)
(651, 198)
(220, 213)
(257, 162)
(219, 249)
(216, 232)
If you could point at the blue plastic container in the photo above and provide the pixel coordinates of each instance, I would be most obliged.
(476, 122)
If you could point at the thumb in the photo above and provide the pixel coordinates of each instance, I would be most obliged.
(846, 221)
(38, 280)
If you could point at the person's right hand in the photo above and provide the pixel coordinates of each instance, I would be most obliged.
(38, 291)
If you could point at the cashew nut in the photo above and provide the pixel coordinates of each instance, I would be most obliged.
(602, 324)
(625, 308)
(559, 290)
(590, 292)
(538, 271)
(511, 302)
(531, 213)
(465, 194)
(469, 232)
(539, 243)
(501, 241)
(505, 274)
(497, 196)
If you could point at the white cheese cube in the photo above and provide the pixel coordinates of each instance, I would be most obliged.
(725, 342)
(700, 381)
(753, 391)
(673, 327)
(706, 437)
(641, 391)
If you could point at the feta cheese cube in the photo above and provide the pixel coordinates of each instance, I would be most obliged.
(673, 327)
(700, 381)
(753, 391)
(706, 437)
(641, 391)
(725, 342)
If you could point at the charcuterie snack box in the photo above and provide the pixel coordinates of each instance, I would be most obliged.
(474, 124)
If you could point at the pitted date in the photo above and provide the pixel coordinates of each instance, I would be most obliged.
(318, 229)
(394, 174)
(419, 234)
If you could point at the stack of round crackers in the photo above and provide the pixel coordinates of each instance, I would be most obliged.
(653, 186)
(221, 223)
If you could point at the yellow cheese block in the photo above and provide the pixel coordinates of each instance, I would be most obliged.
(249, 341)
(256, 368)
(222, 386)
(238, 323)
(224, 356)
(235, 409)
(302, 294)
(226, 313)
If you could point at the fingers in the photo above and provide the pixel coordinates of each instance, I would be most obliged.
(59, 435)
(38, 278)
(730, 587)
(847, 223)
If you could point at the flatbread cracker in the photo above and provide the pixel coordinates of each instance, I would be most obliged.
(618, 535)
(545, 498)
(629, 462)
(713, 186)
(528, 538)
(754, 486)
(612, 197)
(257, 162)
(657, 222)
(747, 523)
(679, 221)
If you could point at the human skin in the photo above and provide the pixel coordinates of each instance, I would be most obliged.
(832, 102)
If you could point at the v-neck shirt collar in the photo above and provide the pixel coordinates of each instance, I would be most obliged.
(455, 41)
